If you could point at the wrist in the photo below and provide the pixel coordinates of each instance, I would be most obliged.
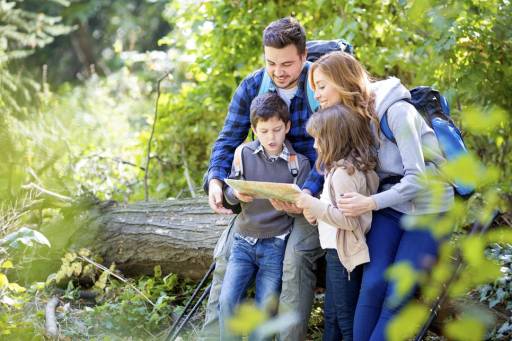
(215, 182)
(372, 205)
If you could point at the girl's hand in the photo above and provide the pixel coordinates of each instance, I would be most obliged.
(309, 217)
(243, 197)
(304, 200)
(285, 206)
(354, 204)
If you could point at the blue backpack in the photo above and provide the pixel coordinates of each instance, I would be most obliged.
(434, 108)
(315, 49)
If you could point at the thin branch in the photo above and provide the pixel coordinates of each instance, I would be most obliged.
(190, 183)
(116, 276)
(115, 159)
(47, 192)
(148, 156)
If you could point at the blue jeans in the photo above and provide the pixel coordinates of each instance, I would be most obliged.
(262, 262)
(302, 252)
(388, 243)
(341, 295)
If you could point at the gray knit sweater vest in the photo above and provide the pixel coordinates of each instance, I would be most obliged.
(259, 219)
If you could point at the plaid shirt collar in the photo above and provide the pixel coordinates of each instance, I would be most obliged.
(285, 153)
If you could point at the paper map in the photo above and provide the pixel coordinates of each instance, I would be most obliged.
(266, 190)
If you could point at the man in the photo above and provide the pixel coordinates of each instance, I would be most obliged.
(284, 43)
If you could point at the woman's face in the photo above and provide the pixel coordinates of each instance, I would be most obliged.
(325, 92)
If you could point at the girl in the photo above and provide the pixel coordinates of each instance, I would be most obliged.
(340, 78)
(345, 155)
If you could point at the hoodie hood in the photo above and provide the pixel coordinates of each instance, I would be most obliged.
(387, 92)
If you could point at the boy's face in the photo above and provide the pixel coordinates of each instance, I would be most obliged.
(271, 134)
(284, 65)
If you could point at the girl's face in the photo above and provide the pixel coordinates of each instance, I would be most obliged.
(325, 92)
(317, 146)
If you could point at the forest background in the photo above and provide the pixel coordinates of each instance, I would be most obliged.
(78, 87)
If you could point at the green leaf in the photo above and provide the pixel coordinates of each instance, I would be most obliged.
(405, 325)
(246, 319)
(404, 277)
(466, 329)
(7, 265)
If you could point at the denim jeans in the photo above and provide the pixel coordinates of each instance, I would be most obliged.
(302, 251)
(261, 262)
(341, 294)
(388, 243)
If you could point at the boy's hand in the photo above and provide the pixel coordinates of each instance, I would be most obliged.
(215, 197)
(243, 197)
(354, 204)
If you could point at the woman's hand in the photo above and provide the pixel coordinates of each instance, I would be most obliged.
(242, 197)
(354, 204)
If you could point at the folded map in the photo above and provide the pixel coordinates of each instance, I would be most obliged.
(266, 190)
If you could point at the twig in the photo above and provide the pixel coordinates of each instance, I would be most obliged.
(50, 324)
(115, 159)
(116, 276)
(47, 192)
(190, 183)
(148, 156)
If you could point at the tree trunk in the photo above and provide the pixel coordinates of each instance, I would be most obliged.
(178, 235)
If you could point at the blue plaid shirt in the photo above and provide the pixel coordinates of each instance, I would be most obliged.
(237, 125)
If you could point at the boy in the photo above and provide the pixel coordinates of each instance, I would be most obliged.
(260, 242)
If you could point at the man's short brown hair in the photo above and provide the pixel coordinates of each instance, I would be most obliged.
(283, 32)
(266, 106)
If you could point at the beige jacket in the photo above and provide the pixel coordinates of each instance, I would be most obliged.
(350, 238)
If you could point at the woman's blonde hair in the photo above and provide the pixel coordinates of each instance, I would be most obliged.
(341, 134)
(352, 82)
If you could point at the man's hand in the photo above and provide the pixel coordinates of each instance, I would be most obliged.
(243, 197)
(354, 204)
(215, 197)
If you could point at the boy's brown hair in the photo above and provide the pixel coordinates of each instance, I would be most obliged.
(341, 134)
(266, 106)
(283, 32)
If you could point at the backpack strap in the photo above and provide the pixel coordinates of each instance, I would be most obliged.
(266, 84)
(237, 162)
(293, 166)
(293, 162)
(384, 125)
(312, 102)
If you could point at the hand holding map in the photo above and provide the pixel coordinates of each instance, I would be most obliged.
(266, 190)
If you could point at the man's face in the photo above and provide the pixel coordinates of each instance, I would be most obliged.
(284, 65)
(271, 134)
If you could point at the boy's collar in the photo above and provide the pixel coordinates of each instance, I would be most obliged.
(285, 153)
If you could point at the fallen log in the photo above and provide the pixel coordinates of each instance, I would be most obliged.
(178, 235)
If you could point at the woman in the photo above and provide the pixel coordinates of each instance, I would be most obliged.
(340, 78)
